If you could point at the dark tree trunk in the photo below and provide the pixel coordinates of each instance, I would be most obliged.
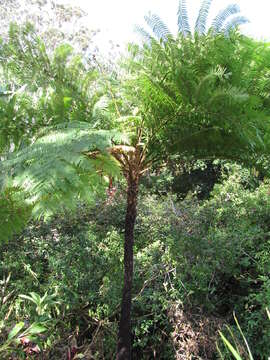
(124, 334)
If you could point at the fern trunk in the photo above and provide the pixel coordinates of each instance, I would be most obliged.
(124, 334)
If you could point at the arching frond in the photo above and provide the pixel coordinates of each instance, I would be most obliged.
(200, 25)
(100, 110)
(230, 95)
(158, 27)
(63, 165)
(207, 80)
(182, 18)
(234, 23)
(223, 15)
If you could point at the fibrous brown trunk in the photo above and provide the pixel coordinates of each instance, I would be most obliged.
(124, 334)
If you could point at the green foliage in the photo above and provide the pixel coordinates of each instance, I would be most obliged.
(64, 165)
(235, 351)
(17, 337)
(206, 256)
(196, 102)
(44, 88)
(191, 98)
(14, 212)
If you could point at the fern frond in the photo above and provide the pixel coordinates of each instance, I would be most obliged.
(100, 110)
(231, 95)
(143, 34)
(223, 15)
(216, 73)
(63, 165)
(200, 25)
(234, 23)
(158, 27)
(182, 19)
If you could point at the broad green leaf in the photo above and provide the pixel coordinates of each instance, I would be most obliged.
(36, 328)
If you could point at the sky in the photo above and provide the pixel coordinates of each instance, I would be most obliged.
(116, 18)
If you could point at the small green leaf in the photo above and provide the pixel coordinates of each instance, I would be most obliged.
(17, 328)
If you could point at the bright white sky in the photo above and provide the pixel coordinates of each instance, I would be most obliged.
(116, 18)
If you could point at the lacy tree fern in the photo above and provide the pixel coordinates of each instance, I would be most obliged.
(196, 98)
(64, 165)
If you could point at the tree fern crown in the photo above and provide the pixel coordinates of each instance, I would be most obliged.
(222, 23)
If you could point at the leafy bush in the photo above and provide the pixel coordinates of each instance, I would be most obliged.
(195, 262)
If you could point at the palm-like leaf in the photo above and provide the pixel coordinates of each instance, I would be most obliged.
(223, 15)
(234, 23)
(200, 25)
(182, 18)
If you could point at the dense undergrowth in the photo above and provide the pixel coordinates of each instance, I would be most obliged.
(196, 261)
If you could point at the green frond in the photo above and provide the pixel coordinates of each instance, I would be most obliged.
(200, 26)
(227, 96)
(182, 18)
(202, 90)
(158, 27)
(223, 15)
(100, 110)
(64, 165)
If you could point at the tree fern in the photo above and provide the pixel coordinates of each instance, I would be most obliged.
(182, 19)
(164, 94)
(223, 15)
(200, 26)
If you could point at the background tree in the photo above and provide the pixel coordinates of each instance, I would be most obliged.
(54, 22)
(52, 86)
(188, 97)
(224, 22)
